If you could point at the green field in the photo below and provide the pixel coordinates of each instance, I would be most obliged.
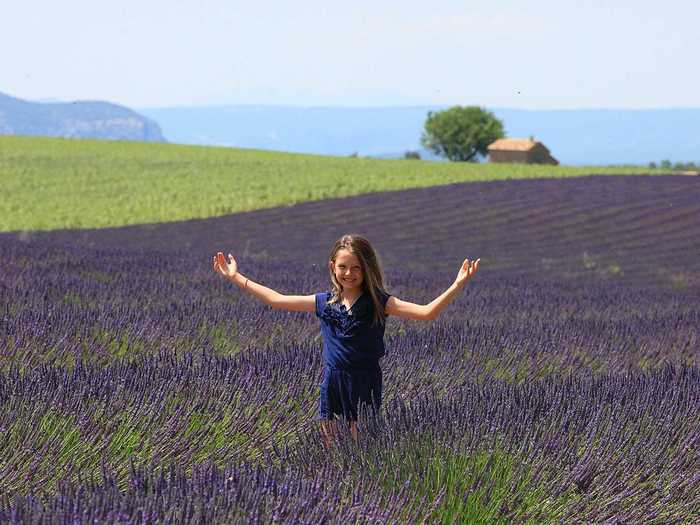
(63, 183)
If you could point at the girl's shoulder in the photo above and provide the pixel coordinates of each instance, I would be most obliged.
(324, 296)
(383, 295)
(323, 306)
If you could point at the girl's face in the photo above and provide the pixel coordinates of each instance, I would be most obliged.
(347, 270)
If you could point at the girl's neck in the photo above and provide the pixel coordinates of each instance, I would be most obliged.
(350, 297)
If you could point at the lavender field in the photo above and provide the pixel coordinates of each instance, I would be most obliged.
(563, 385)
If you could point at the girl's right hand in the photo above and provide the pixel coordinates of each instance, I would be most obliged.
(222, 267)
(467, 271)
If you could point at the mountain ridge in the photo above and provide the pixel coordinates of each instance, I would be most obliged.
(87, 119)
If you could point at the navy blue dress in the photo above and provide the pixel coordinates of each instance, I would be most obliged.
(352, 347)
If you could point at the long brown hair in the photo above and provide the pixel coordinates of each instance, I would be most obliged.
(373, 280)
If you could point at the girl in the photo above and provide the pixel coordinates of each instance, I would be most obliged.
(352, 319)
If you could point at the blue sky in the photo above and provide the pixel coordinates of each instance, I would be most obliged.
(533, 55)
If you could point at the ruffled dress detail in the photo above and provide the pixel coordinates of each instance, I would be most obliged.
(338, 315)
(350, 340)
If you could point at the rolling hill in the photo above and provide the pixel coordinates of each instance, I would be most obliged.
(54, 183)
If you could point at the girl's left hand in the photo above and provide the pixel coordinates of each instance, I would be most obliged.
(467, 271)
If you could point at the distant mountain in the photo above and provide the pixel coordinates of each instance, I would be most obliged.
(575, 137)
(81, 119)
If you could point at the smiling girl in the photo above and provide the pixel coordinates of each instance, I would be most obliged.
(352, 315)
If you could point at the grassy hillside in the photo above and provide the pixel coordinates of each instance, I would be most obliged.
(55, 183)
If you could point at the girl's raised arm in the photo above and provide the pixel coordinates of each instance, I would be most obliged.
(428, 312)
(293, 303)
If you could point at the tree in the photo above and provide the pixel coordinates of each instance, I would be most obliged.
(411, 155)
(461, 133)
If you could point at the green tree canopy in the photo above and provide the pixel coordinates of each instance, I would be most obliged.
(461, 133)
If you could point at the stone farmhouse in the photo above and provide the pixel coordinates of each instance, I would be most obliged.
(523, 151)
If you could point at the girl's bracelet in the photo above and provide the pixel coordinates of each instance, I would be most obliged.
(246, 283)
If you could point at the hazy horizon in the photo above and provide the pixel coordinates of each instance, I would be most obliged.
(52, 100)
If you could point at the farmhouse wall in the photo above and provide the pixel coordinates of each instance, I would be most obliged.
(508, 156)
(539, 154)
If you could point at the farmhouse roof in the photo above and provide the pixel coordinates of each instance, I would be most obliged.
(512, 145)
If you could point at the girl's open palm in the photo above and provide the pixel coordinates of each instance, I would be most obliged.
(467, 271)
(222, 267)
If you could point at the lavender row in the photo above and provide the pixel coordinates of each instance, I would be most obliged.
(636, 230)
(236, 494)
(615, 447)
(561, 386)
(76, 305)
